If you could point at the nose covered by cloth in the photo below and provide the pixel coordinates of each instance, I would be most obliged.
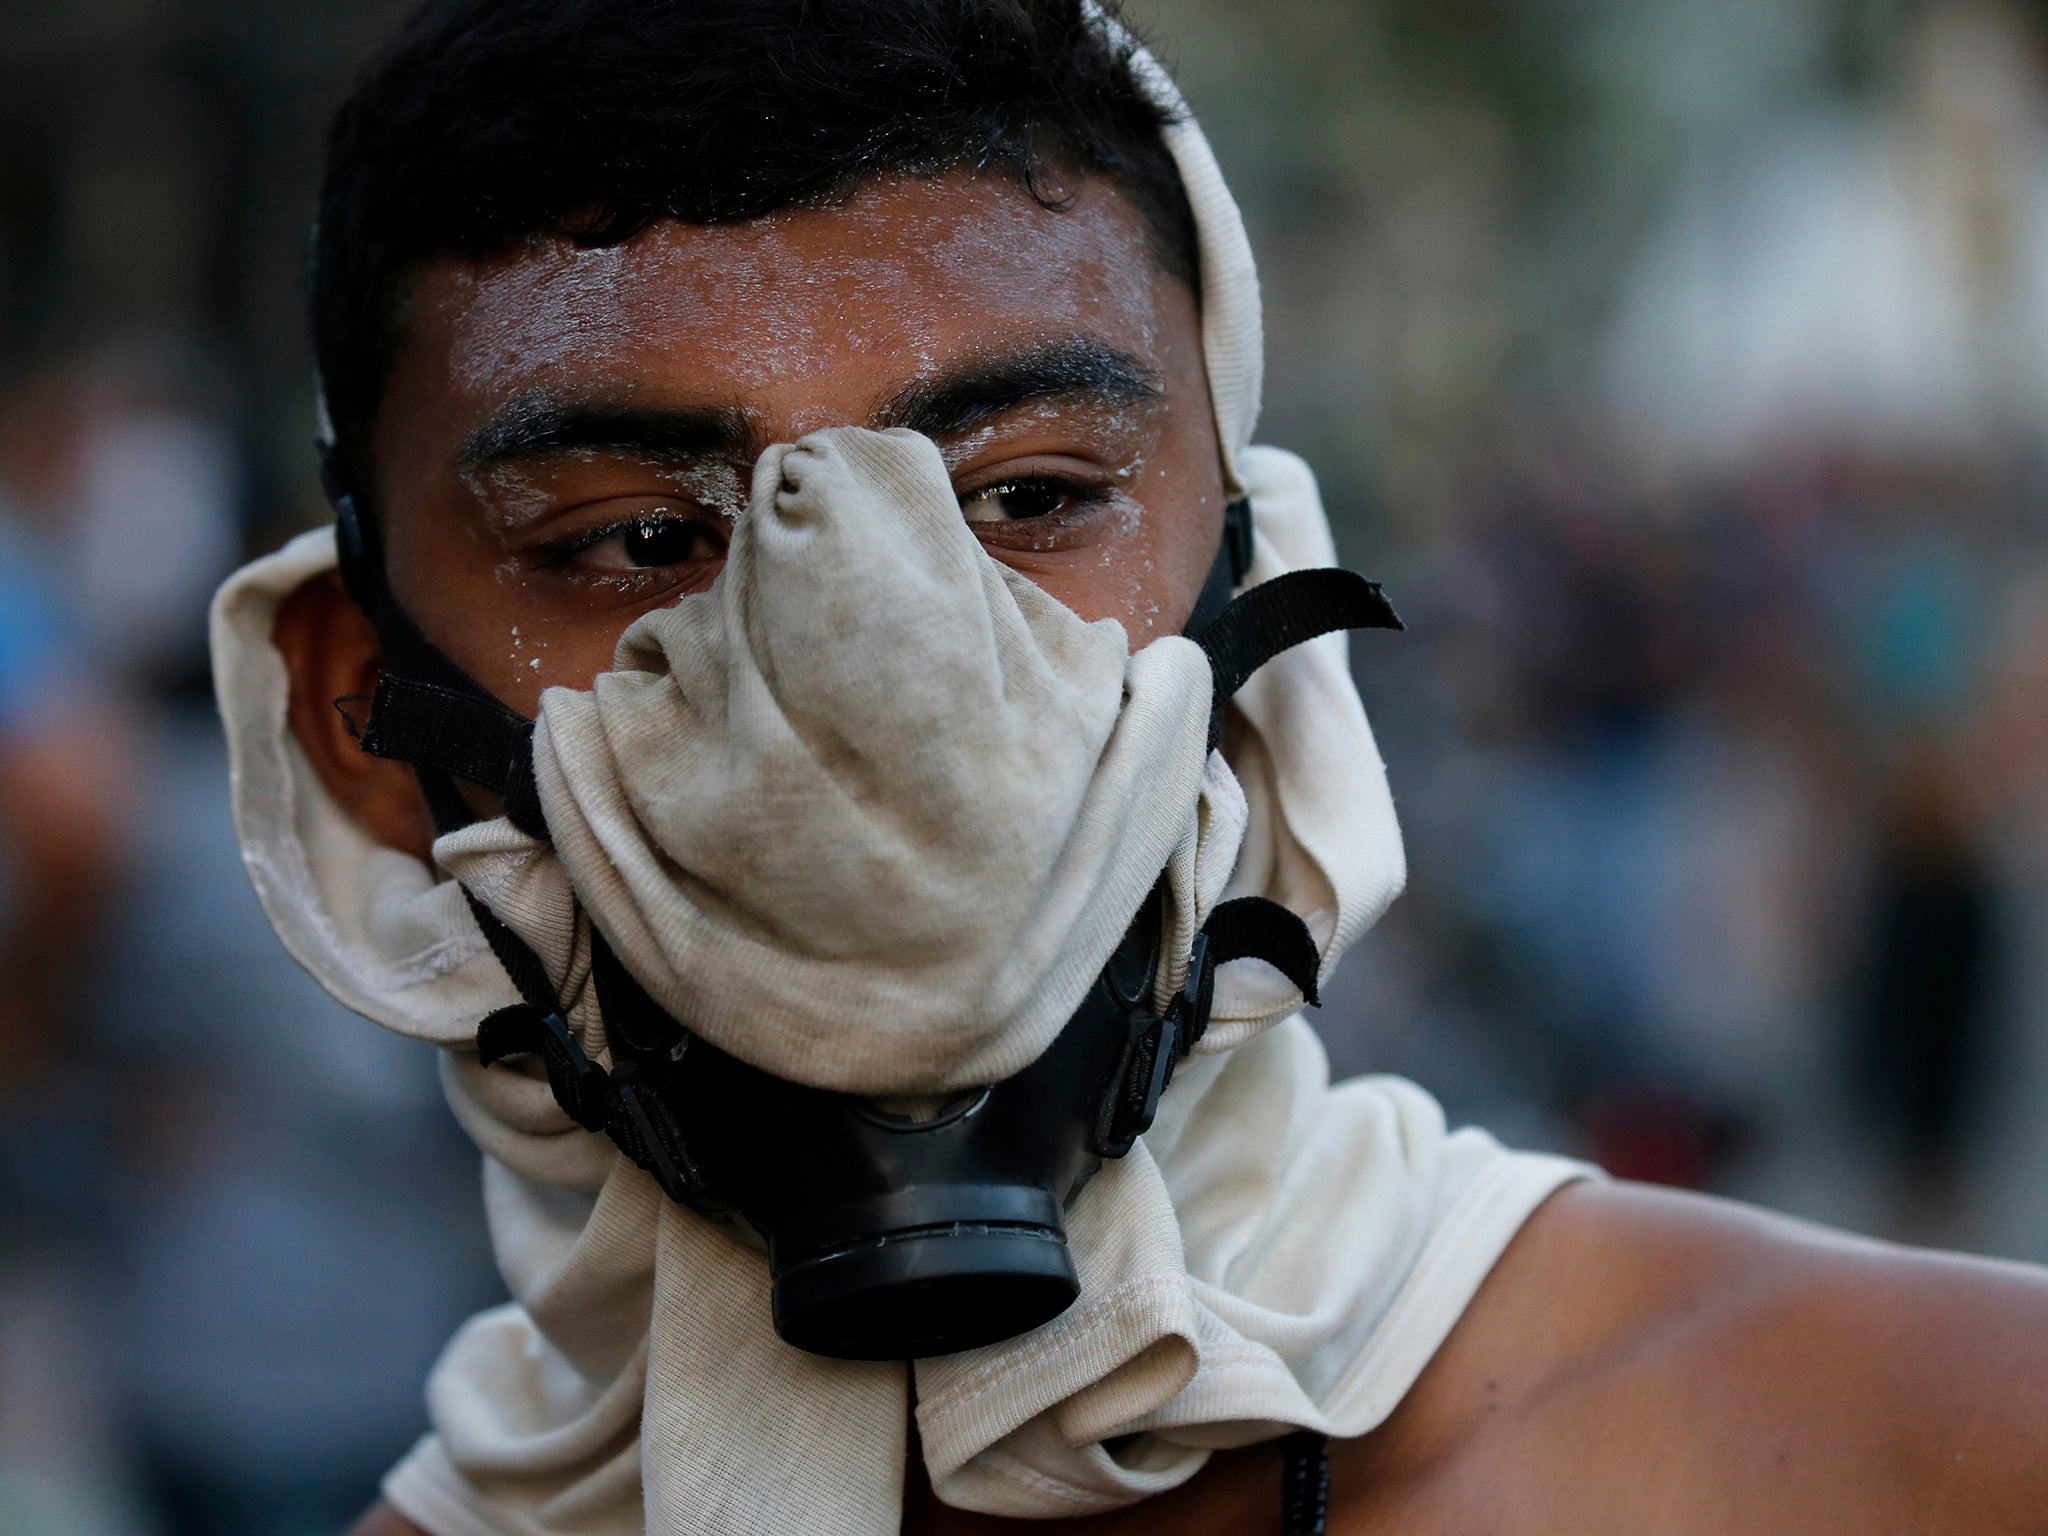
(873, 811)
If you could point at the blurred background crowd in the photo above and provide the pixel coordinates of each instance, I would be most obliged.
(1681, 366)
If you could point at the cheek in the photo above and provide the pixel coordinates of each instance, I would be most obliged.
(1163, 555)
(1131, 573)
(1128, 576)
(531, 657)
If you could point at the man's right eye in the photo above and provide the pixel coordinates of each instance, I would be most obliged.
(647, 543)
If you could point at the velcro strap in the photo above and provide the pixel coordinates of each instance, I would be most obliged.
(470, 736)
(1280, 614)
(1255, 928)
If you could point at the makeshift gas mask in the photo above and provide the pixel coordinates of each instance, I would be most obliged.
(855, 950)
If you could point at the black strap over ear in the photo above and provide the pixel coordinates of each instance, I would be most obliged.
(427, 711)
(1256, 928)
(470, 736)
(1280, 614)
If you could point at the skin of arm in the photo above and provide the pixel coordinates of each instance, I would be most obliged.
(564, 438)
(1643, 1361)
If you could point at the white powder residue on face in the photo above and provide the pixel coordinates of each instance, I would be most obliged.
(715, 485)
(556, 301)
(512, 497)
(509, 495)
(764, 302)
(808, 318)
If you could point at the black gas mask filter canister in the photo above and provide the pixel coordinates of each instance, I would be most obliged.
(890, 1235)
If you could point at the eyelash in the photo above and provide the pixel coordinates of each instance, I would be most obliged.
(562, 554)
(1076, 493)
(1079, 494)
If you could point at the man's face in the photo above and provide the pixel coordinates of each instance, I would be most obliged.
(568, 433)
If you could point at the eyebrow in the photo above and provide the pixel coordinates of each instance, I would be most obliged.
(955, 400)
(538, 425)
(969, 393)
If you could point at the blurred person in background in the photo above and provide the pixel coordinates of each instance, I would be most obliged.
(223, 1172)
(66, 818)
(1926, 991)
(1832, 345)
(261, 1165)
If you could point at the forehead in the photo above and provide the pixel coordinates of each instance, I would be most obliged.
(817, 301)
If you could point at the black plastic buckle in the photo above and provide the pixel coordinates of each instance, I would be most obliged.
(581, 1086)
(1153, 1048)
(651, 1133)
(1150, 1050)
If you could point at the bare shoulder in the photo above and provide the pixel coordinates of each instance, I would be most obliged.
(1646, 1361)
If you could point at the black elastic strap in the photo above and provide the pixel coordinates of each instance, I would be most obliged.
(1256, 928)
(1304, 1484)
(427, 711)
(359, 552)
(1280, 614)
(431, 714)
(521, 964)
(636, 1026)
(467, 735)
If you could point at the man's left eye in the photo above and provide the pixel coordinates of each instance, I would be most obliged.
(1015, 502)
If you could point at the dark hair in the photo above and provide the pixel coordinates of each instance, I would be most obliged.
(486, 122)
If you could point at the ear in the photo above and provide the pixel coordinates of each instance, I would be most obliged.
(331, 652)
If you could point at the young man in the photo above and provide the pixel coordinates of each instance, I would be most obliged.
(854, 760)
